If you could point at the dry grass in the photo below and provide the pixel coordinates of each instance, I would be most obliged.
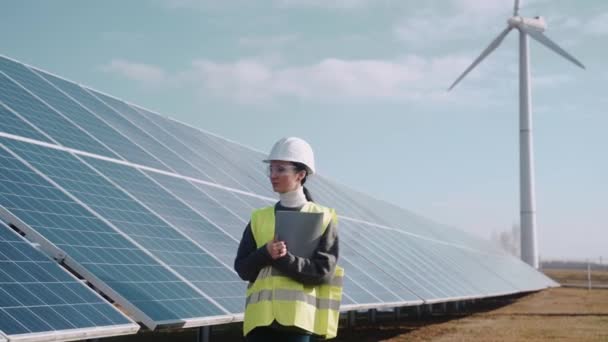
(566, 276)
(561, 314)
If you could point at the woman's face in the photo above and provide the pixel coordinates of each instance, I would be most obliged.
(283, 176)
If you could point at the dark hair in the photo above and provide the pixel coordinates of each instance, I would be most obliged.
(302, 167)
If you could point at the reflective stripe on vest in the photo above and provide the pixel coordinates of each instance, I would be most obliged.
(274, 296)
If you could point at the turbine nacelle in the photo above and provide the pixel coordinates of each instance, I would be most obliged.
(537, 23)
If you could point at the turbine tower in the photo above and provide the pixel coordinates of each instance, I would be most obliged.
(532, 27)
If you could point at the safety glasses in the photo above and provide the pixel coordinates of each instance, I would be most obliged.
(279, 170)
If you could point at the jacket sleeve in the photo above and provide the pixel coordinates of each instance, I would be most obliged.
(250, 259)
(320, 267)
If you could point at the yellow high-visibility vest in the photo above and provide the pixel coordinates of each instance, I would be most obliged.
(274, 296)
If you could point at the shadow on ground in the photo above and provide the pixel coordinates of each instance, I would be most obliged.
(386, 326)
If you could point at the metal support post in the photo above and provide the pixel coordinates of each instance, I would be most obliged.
(417, 311)
(372, 315)
(203, 334)
(456, 307)
(352, 319)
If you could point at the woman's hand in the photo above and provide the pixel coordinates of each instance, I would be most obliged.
(276, 249)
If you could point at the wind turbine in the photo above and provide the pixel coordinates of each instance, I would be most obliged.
(533, 27)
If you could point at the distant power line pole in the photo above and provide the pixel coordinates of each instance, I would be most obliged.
(588, 274)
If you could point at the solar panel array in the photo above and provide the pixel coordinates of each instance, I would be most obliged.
(150, 211)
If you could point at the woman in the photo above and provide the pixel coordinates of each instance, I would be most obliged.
(289, 298)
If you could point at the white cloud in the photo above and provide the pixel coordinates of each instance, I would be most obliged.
(260, 80)
(251, 80)
(146, 74)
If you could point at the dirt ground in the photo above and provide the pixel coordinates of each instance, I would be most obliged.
(560, 314)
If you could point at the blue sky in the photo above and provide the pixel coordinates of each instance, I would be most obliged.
(365, 83)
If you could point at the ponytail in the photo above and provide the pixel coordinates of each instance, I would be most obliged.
(307, 194)
(302, 167)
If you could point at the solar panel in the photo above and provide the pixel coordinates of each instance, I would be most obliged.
(220, 239)
(12, 124)
(152, 231)
(55, 125)
(210, 272)
(214, 164)
(151, 293)
(150, 211)
(39, 299)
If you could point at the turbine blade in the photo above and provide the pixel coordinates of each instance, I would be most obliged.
(493, 45)
(516, 8)
(541, 38)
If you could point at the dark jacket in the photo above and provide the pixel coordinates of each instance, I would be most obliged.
(309, 271)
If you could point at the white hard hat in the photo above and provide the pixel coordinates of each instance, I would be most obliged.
(294, 150)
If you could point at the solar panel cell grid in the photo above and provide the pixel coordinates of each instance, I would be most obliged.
(391, 263)
(207, 160)
(217, 280)
(36, 294)
(94, 245)
(10, 123)
(215, 239)
(43, 117)
(431, 268)
(86, 119)
(105, 131)
(144, 139)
